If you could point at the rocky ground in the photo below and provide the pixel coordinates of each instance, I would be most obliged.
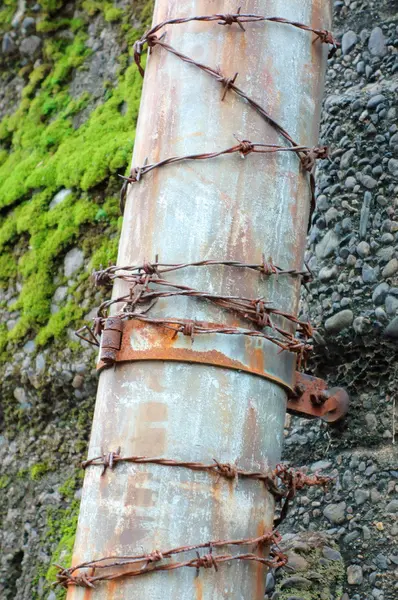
(65, 69)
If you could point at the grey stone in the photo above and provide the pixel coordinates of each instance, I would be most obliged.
(20, 395)
(375, 496)
(369, 275)
(381, 314)
(390, 269)
(367, 534)
(320, 465)
(339, 321)
(350, 183)
(391, 331)
(374, 101)
(392, 507)
(29, 347)
(297, 582)
(331, 554)
(359, 324)
(354, 575)
(29, 24)
(365, 213)
(363, 249)
(351, 537)
(380, 293)
(348, 42)
(346, 224)
(346, 159)
(59, 197)
(60, 294)
(7, 45)
(11, 324)
(385, 254)
(391, 304)
(328, 273)
(371, 421)
(30, 46)
(361, 496)
(369, 182)
(40, 363)
(393, 167)
(327, 245)
(73, 261)
(335, 513)
(377, 43)
(387, 238)
(322, 203)
(377, 594)
(77, 382)
(347, 480)
(331, 215)
(381, 562)
(269, 582)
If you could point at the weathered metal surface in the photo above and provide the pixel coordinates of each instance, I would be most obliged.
(143, 341)
(234, 209)
(111, 339)
(313, 400)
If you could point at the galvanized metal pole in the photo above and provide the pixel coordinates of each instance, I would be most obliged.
(226, 208)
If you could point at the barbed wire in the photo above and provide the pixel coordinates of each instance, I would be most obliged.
(244, 148)
(307, 156)
(323, 35)
(106, 277)
(155, 561)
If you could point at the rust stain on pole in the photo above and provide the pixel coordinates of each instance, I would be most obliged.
(234, 209)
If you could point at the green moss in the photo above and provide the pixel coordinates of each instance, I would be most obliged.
(38, 470)
(69, 486)
(60, 530)
(113, 14)
(51, 5)
(327, 584)
(8, 268)
(42, 152)
(110, 12)
(5, 480)
(8, 9)
(46, 26)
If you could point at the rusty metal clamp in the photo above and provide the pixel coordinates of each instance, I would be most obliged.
(312, 399)
(128, 341)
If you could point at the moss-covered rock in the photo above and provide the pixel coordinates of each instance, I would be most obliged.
(42, 151)
(315, 569)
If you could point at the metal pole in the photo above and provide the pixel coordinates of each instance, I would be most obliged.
(226, 208)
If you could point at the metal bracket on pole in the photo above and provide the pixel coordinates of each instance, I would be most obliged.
(313, 400)
(128, 341)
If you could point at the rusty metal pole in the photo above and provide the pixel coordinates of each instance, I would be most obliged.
(227, 208)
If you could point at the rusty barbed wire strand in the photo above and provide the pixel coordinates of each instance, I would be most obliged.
(244, 148)
(292, 479)
(307, 156)
(105, 277)
(323, 35)
(66, 577)
(255, 310)
(226, 470)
